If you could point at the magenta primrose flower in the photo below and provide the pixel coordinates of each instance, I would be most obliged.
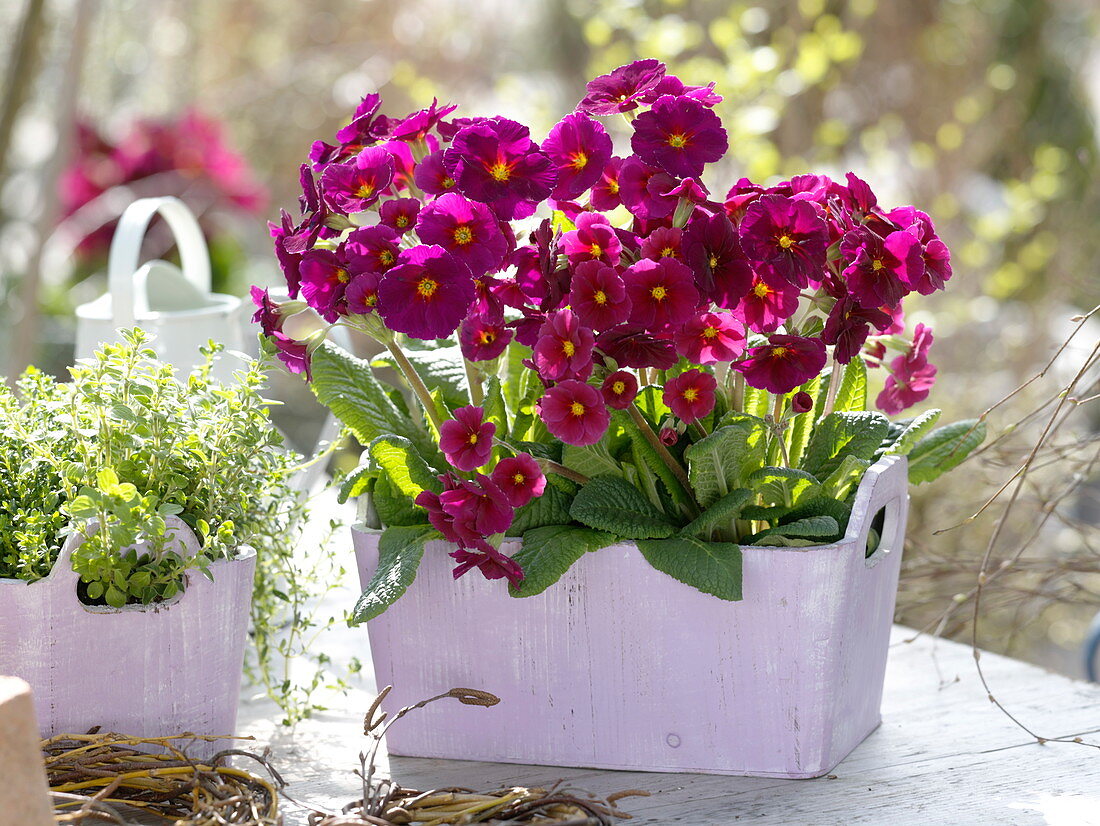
(466, 229)
(598, 295)
(519, 478)
(784, 363)
(594, 239)
(690, 395)
(497, 163)
(680, 135)
(623, 89)
(937, 258)
(482, 339)
(910, 376)
(426, 294)
(467, 439)
(644, 190)
(662, 293)
(605, 192)
(767, 304)
(492, 563)
(785, 238)
(564, 348)
(711, 337)
(881, 269)
(574, 412)
(324, 277)
(619, 389)
(713, 251)
(294, 354)
(371, 249)
(580, 149)
(353, 186)
(399, 214)
(848, 326)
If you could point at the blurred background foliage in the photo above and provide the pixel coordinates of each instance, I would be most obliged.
(982, 112)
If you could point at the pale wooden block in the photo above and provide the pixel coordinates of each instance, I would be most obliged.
(24, 795)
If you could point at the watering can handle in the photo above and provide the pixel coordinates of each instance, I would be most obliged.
(122, 263)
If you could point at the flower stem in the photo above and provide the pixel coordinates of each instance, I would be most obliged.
(477, 393)
(662, 451)
(778, 428)
(415, 382)
(737, 399)
(834, 386)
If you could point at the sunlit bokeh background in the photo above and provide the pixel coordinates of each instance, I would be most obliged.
(981, 112)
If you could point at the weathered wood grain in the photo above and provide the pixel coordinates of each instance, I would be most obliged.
(943, 755)
(142, 671)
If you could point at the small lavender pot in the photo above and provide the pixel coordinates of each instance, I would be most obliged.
(619, 666)
(147, 671)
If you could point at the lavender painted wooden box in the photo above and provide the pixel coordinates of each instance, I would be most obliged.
(145, 671)
(619, 666)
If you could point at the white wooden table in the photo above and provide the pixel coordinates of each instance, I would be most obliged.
(944, 754)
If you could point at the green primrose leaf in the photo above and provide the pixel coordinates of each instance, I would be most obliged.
(722, 461)
(711, 567)
(548, 552)
(943, 449)
(843, 434)
(400, 550)
(612, 504)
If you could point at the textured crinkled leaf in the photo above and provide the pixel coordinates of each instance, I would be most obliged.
(591, 460)
(548, 552)
(356, 482)
(400, 550)
(723, 460)
(914, 431)
(852, 395)
(842, 481)
(650, 401)
(552, 508)
(757, 402)
(843, 434)
(943, 449)
(783, 486)
(608, 503)
(711, 567)
(348, 387)
(820, 528)
(394, 507)
(407, 472)
(721, 515)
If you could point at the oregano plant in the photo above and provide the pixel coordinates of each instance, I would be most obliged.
(593, 347)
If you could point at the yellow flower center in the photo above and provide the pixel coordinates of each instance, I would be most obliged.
(463, 235)
(342, 275)
(876, 265)
(595, 250)
(762, 290)
(386, 258)
(568, 348)
(618, 387)
(691, 394)
(371, 300)
(668, 252)
(713, 261)
(579, 160)
(473, 438)
(780, 352)
(613, 187)
(710, 332)
(519, 478)
(659, 293)
(364, 191)
(402, 221)
(577, 409)
(500, 171)
(600, 297)
(677, 141)
(487, 337)
(785, 241)
(447, 182)
(427, 286)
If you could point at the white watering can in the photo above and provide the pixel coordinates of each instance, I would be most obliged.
(173, 305)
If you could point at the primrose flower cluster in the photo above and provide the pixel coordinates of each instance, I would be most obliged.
(610, 269)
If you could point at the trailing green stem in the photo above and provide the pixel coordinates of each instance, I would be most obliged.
(477, 393)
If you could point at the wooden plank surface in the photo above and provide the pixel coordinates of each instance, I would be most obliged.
(944, 754)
